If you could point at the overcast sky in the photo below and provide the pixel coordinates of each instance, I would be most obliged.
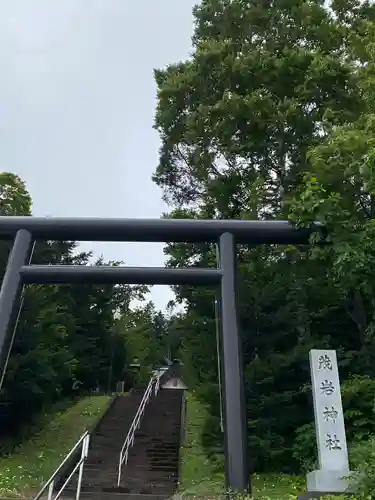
(77, 102)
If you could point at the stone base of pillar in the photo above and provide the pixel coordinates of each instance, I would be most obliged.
(330, 481)
(317, 495)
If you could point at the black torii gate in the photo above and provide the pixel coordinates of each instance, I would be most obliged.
(226, 233)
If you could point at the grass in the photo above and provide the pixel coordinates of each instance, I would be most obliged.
(201, 479)
(30, 465)
(197, 474)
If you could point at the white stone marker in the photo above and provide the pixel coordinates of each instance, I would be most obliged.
(329, 425)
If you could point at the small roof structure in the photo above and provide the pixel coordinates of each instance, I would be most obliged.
(172, 378)
(175, 383)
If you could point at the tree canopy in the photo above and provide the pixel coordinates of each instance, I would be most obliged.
(70, 339)
(272, 118)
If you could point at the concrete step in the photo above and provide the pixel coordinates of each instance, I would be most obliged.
(104, 475)
(151, 489)
(151, 477)
(118, 425)
(103, 495)
(126, 406)
(141, 462)
(137, 448)
(128, 479)
(120, 414)
(146, 456)
(108, 466)
(102, 461)
(133, 485)
(156, 444)
(139, 473)
(140, 448)
(154, 464)
(108, 443)
(111, 446)
(144, 459)
(158, 436)
(110, 434)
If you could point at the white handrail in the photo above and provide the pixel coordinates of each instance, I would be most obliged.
(84, 442)
(154, 383)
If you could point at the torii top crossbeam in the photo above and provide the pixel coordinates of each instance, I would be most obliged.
(156, 230)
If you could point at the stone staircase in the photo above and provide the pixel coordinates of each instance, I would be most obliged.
(152, 469)
(154, 460)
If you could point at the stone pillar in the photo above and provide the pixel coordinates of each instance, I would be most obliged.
(329, 426)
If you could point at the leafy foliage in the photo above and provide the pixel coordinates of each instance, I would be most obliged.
(272, 118)
(68, 341)
(364, 459)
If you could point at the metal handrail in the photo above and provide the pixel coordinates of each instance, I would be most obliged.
(154, 383)
(83, 441)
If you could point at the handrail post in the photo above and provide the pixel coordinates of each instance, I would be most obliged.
(50, 490)
(119, 471)
(84, 451)
(87, 445)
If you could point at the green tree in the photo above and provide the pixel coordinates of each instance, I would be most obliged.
(266, 83)
(144, 329)
(66, 340)
(14, 197)
(339, 191)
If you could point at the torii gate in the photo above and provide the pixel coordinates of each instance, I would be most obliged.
(226, 233)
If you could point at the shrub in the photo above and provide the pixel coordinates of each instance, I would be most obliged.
(363, 460)
(358, 395)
